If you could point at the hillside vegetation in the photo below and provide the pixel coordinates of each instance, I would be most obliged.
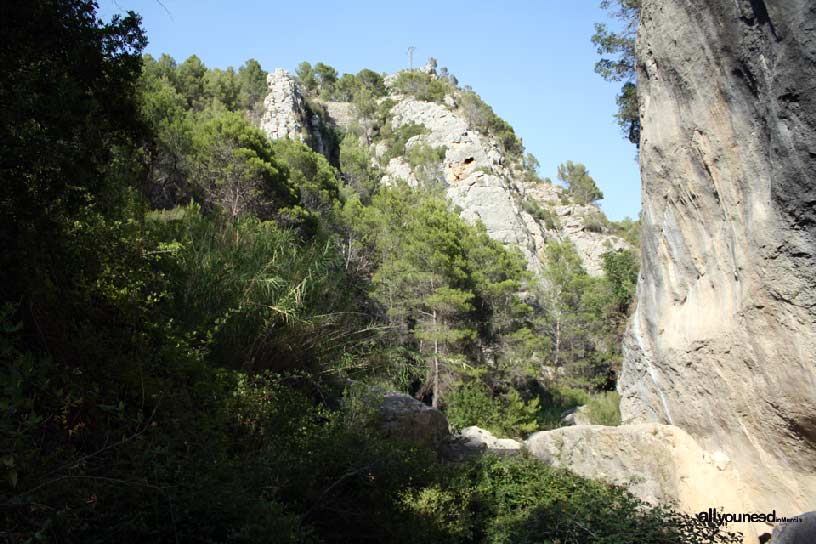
(184, 303)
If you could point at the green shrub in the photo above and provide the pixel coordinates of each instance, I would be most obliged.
(423, 154)
(426, 162)
(595, 221)
(422, 86)
(396, 138)
(627, 229)
(504, 415)
(481, 117)
(247, 289)
(557, 400)
(504, 501)
(544, 215)
(604, 408)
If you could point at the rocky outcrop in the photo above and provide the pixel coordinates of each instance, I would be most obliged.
(656, 463)
(481, 439)
(487, 187)
(723, 340)
(409, 419)
(480, 179)
(284, 114)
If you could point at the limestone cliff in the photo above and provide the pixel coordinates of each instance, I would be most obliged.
(480, 179)
(723, 341)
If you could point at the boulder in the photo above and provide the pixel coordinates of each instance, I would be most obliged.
(482, 439)
(656, 463)
(407, 418)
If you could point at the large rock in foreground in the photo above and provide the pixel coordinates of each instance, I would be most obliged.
(656, 463)
(723, 341)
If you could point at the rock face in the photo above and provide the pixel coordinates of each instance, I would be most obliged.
(483, 183)
(481, 439)
(284, 114)
(479, 178)
(409, 419)
(723, 340)
(656, 463)
(473, 172)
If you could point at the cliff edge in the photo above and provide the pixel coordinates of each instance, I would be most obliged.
(723, 341)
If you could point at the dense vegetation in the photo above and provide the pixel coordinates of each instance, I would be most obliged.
(183, 301)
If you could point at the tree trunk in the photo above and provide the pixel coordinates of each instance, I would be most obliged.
(435, 400)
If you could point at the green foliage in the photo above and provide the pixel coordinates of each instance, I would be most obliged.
(396, 139)
(627, 229)
(557, 399)
(344, 88)
(190, 79)
(68, 115)
(372, 81)
(422, 86)
(355, 164)
(170, 369)
(595, 221)
(235, 168)
(604, 408)
(326, 79)
(306, 77)
(328, 136)
(544, 215)
(481, 117)
(311, 173)
(581, 318)
(203, 87)
(251, 80)
(426, 163)
(621, 268)
(437, 279)
(501, 501)
(620, 65)
(579, 184)
(323, 80)
(507, 414)
(249, 288)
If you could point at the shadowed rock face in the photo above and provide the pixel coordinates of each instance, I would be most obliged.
(723, 342)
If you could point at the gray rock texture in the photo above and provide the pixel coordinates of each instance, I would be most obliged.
(800, 532)
(483, 183)
(284, 114)
(479, 178)
(476, 437)
(723, 341)
(407, 418)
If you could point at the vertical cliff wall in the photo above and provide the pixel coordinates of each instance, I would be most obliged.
(723, 342)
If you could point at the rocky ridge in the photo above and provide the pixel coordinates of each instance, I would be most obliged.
(479, 178)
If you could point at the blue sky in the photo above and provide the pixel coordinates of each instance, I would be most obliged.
(532, 61)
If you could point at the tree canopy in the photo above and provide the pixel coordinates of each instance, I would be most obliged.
(619, 65)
